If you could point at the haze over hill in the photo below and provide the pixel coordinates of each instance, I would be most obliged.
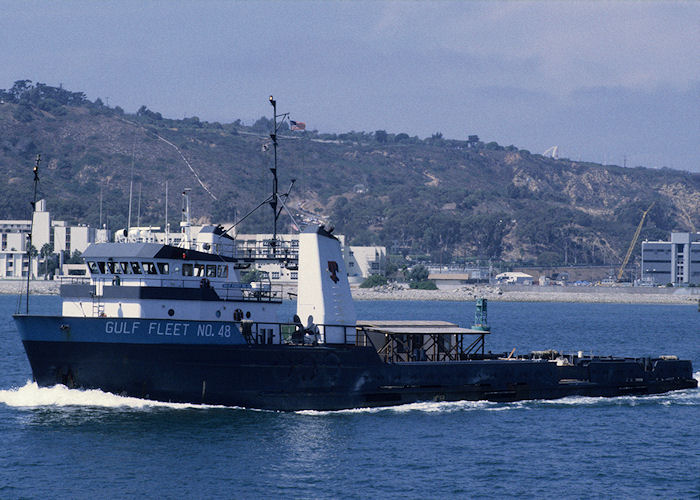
(453, 199)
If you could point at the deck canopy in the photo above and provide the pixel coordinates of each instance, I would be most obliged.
(416, 327)
(121, 251)
(420, 340)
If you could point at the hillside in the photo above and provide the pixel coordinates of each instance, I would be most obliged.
(451, 199)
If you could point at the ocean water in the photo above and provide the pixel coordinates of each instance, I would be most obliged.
(61, 443)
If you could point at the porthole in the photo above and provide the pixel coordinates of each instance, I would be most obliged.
(171, 312)
(218, 314)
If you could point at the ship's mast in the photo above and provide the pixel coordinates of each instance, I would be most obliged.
(31, 228)
(275, 196)
(273, 200)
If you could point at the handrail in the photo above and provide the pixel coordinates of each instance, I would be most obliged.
(228, 291)
(267, 332)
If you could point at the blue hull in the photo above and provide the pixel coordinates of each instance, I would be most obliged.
(140, 362)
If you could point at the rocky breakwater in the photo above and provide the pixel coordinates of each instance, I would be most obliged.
(621, 295)
(401, 291)
(36, 287)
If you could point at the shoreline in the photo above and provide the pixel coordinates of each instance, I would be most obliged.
(615, 295)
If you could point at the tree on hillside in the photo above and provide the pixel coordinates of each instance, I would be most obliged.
(144, 112)
(380, 136)
(19, 88)
(263, 125)
(436, 138)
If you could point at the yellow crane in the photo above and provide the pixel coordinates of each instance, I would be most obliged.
(634, 241)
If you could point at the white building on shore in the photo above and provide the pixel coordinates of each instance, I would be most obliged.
(14, 262)
(14, 238)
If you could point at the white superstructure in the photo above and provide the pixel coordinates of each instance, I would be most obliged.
(323, 290)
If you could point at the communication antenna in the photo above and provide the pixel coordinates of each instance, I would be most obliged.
(131, 189)
(138, 213)
(167, 226)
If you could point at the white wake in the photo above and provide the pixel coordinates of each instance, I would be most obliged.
(31, 396)
(683, 397)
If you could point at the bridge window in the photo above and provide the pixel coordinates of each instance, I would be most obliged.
(101, 267)
(93, 267)
(124, 267)
(136, 268)
(199, 270)
(110, 267)
(222, 272)
(163, 268)
(211, 271)
(149, 268)
(187, 269)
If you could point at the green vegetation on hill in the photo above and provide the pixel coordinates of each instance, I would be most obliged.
(450, 199)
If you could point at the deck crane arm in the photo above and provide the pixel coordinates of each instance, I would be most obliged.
(634, 242)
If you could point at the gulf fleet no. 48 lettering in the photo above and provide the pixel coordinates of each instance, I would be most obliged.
(175, 329)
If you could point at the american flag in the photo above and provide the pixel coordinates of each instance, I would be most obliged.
(297, 125)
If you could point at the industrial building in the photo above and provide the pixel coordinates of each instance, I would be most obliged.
(676, 261)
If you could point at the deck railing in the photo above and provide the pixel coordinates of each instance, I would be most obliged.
(257, 333)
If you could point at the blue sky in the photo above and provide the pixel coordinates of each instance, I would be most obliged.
(602, 80)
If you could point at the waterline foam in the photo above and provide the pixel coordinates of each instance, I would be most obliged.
(31, 396)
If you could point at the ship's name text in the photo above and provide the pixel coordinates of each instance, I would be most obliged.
(170, 329)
